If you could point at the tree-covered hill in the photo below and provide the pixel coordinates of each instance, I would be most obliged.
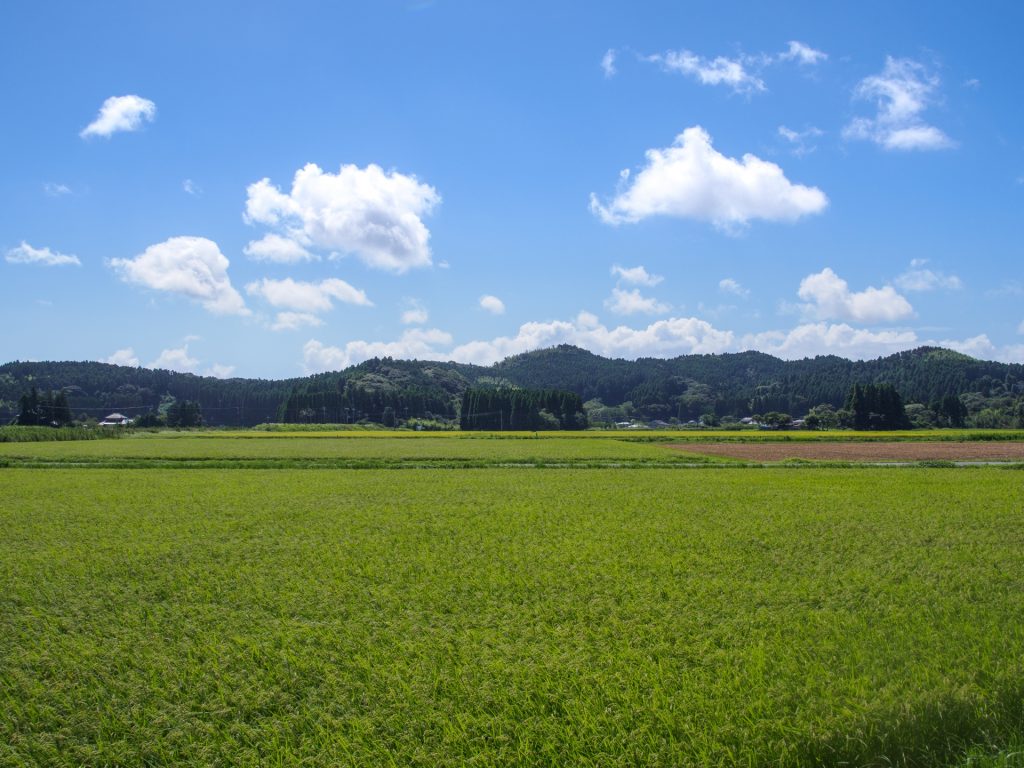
(390, 391)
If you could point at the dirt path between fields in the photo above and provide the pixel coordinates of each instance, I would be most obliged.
(822, 451)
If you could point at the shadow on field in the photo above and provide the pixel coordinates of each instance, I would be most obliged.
(938, 735)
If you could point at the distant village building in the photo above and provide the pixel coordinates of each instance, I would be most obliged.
(115, 420)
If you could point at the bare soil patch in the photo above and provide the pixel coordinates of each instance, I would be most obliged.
(871, 451)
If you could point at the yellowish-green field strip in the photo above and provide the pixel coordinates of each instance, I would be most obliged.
(386, 450)
(659, 435)
(499, 617)
(397, 449)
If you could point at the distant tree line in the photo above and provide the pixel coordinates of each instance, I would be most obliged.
(939, 388)
(46, 409)
(521, 409)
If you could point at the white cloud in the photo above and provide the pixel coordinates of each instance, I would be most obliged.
(277, 249)
(492, 304)
(191, 266)
(56, 190)
(919, 278)
(728, 285)
(718, 71)
(219, 371)
(307, 297)
(290, 321)
(414, 344)
(374, 215)
(902, 92)
(121, 113)
(801, 142)
(1020, 328)
(416, 314)
(811, 339)
(26, 254)
(636, 276)
(663, 338)
(802, 53)
(979, 346)
(191, 188)
(176, 359)
(830, 298)
(623, 302)
(608, 63)
(124, 356)
(692, 180)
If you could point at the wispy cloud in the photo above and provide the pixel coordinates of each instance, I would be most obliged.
(56, 190)
(920, 278)
(608, 63)
(26, 254)
(728, 285)
(902, 92)
(801, 142)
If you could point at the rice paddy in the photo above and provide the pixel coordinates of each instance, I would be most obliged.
(610, 609)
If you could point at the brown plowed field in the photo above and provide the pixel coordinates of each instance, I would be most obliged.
(822, 451)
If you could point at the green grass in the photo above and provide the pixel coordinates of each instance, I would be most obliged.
(510, 617)
(51, 434)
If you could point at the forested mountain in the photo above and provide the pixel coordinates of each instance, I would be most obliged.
(391, 391)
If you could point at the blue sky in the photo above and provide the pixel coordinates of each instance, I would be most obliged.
(272, 189)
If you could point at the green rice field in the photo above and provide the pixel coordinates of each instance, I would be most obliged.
(552, 601)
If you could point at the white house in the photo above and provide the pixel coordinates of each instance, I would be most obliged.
(115, 420)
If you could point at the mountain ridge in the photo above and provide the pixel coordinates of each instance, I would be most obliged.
(683, 387)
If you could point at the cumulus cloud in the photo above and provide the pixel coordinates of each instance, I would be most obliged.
(414, 344)
(802, 53)
(901, 92)
(374, 215)
(290, 321)
(307, 297)
(623, 302)
(124, 356)
(219, 371)
(191, 266)
(728, 285)
(691, 179)
(26, 254)
(492, 304)
(191, 188)
(608, 63)
(277, 249)
(919, 278)
(673, 336)
(120, 113)
(176, 359)
(982, 348)
(416, 314)
(636, 276)
(720, 70)
(829, 298)
(811, 339)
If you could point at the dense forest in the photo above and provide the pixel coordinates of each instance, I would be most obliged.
(494, 408)
(938, 387)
